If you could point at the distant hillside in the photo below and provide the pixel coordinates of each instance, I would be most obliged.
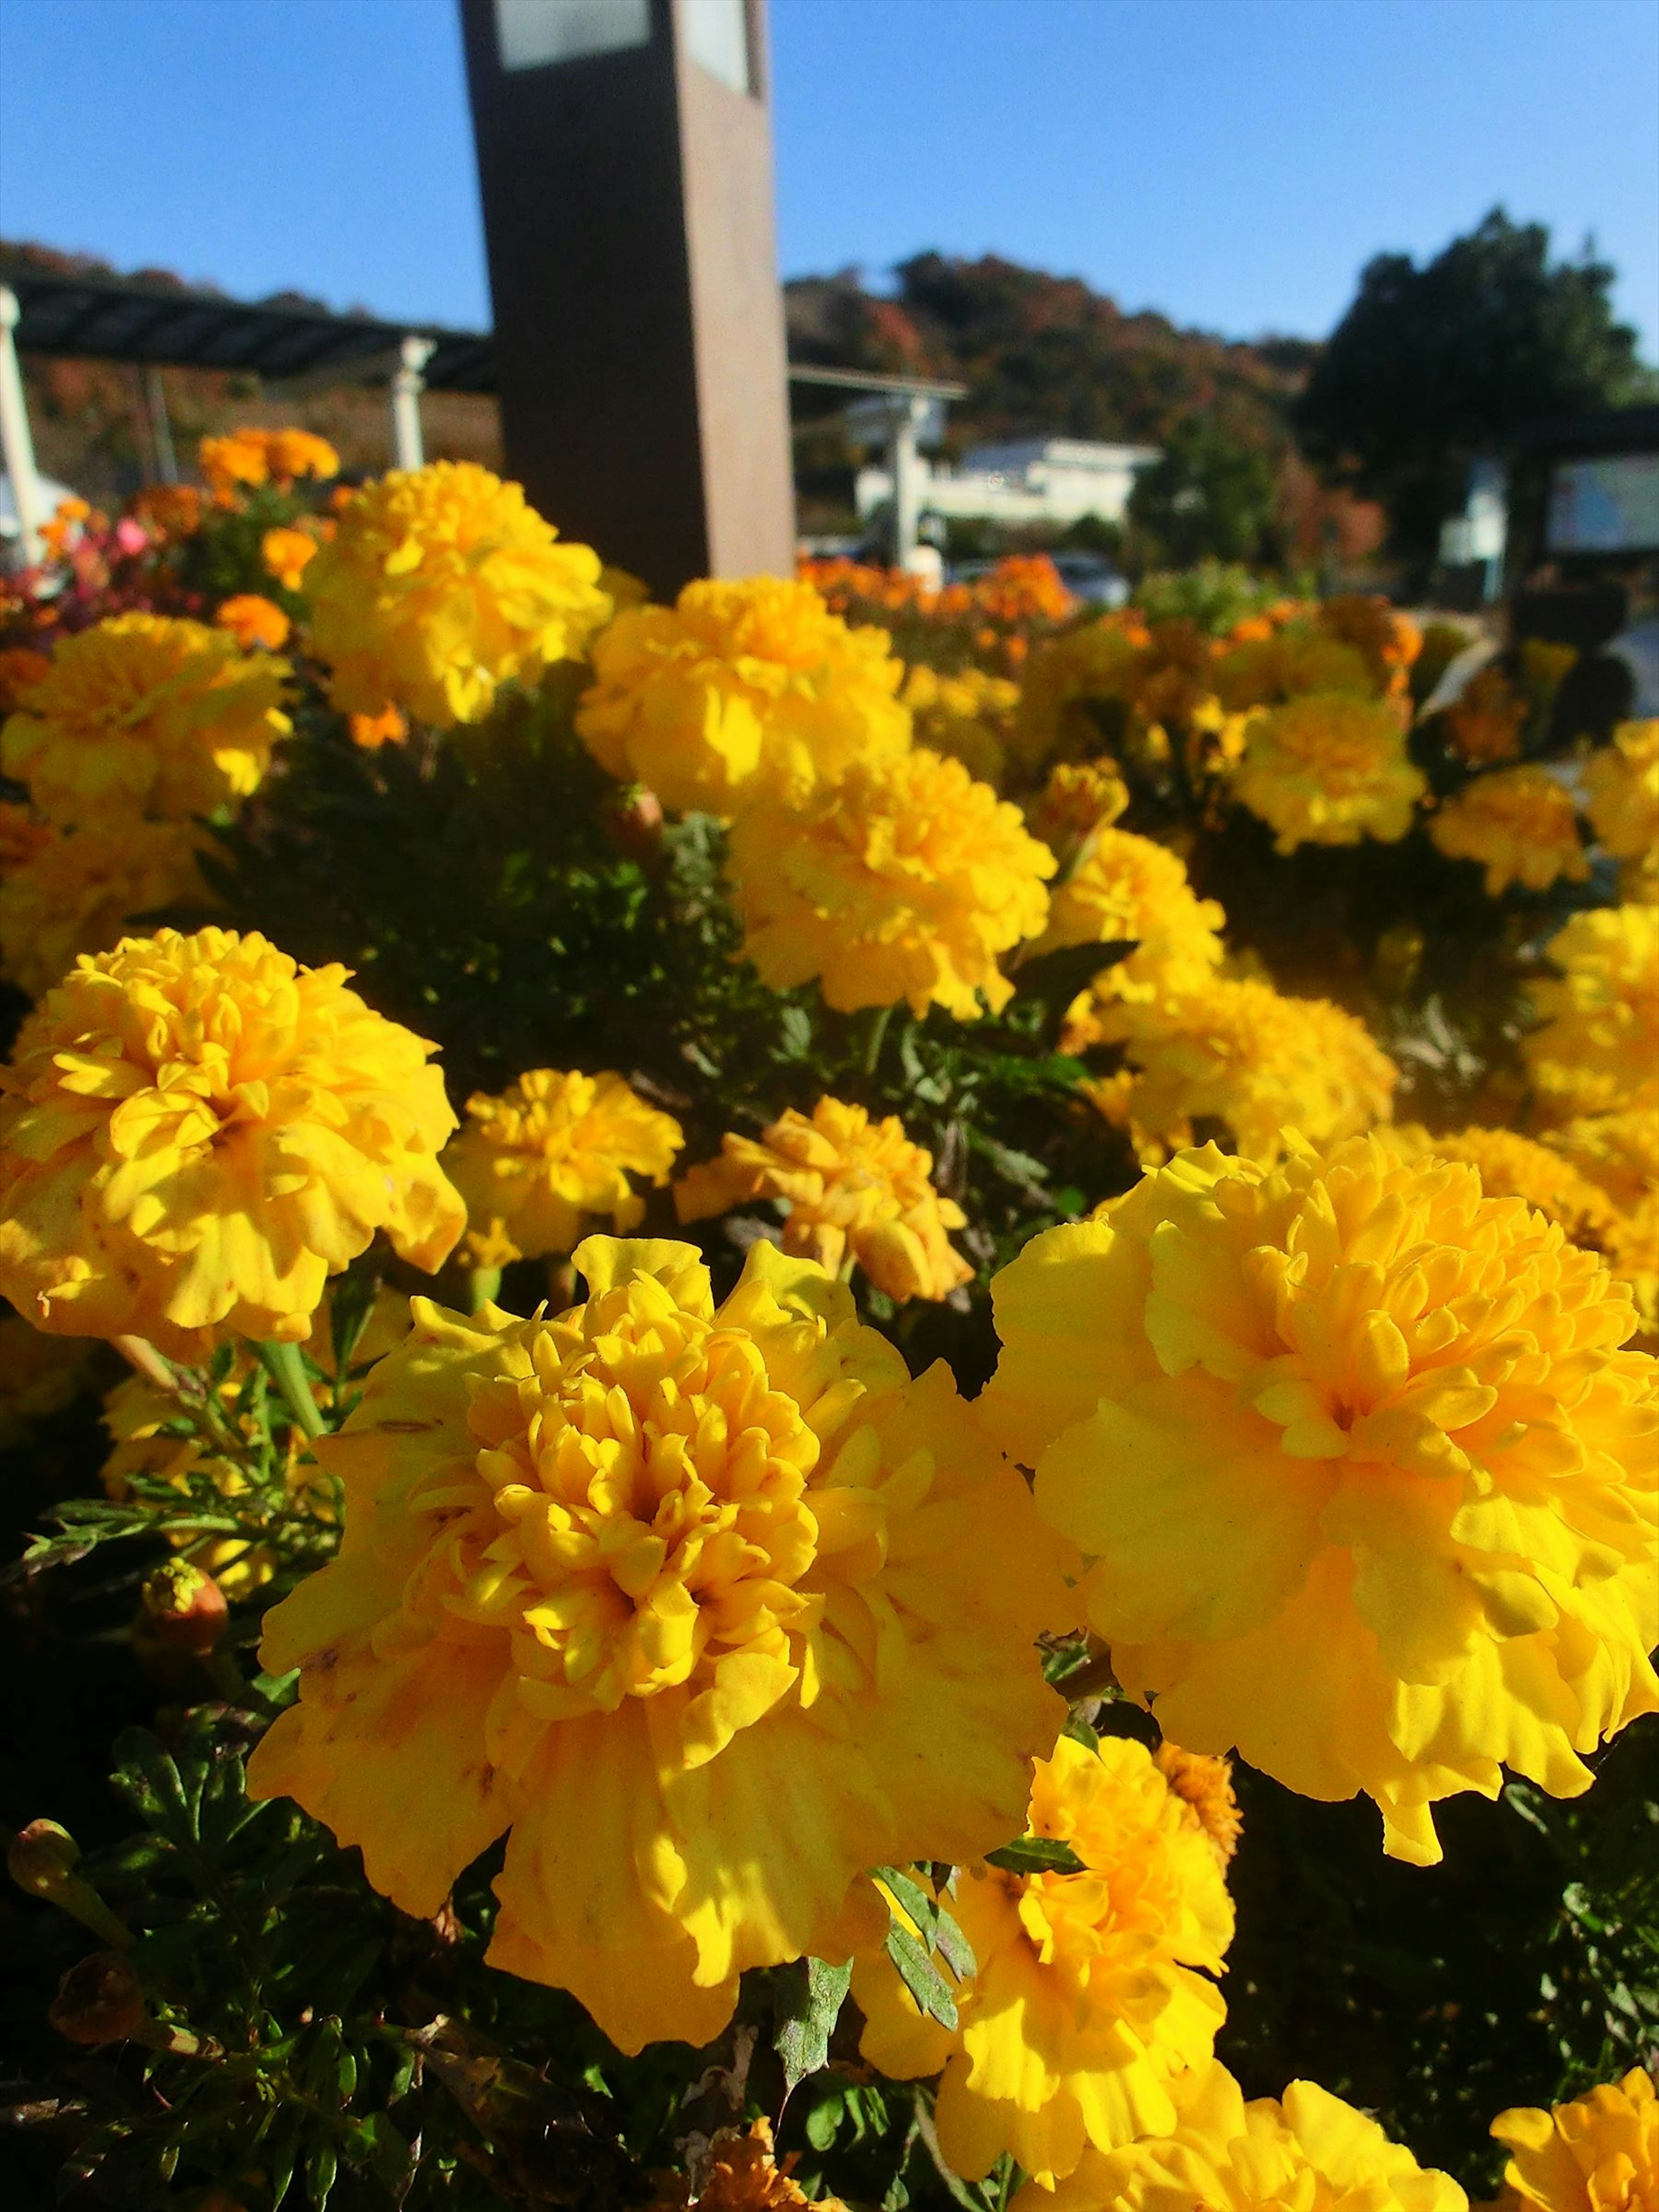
(1045, 353)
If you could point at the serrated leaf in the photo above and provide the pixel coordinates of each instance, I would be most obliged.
(151, 1783)
(921, 1977)
(953, 1947)
(910, 1897)
(807, 2005)
(1036, 1855)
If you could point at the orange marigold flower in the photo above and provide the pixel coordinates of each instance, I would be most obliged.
(287, 554)
(22, 835)
(20, 669)
(1205, 1787)
(240, 457)
(1485, 722)
(389, 727)
(709, 1608)
(1520, 823)
(904, 881)
(856, 1190)
(253, 620)
(291, 454)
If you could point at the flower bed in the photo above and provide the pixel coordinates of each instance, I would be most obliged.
(839, 1394)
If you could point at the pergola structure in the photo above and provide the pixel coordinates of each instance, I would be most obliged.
(154, 325)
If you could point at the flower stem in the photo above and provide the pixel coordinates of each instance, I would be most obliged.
(141, 1355)
(484, 1286)
(287, 1369)
(875, 1037)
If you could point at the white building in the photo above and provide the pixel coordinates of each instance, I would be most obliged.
(1027, 480)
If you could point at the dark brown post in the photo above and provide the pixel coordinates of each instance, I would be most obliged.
(625, 163)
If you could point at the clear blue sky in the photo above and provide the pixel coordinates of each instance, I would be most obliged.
(1232, 162)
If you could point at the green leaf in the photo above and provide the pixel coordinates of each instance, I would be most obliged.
(954, 1948)
(911, 1898)
(322, 2166)
(1036, 1855)
(807, 2006)
(1058, 976)
(151, 1783)
(921, 1977)
(824, 2118)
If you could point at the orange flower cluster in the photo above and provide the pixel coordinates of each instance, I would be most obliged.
(252, 456)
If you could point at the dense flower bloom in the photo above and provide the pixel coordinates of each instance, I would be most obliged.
(1619, 1154)
(1328, 769)
(1090, 1991)
(1369, 1483)
(538, 1165)
(856, 1190)
(1309, 2150)
(440, 585)
(1291, 664)
(194, 1132)
(1520, 823)
(1621, 785)
(253, 620)
(286, 555)
(1127, 888)
(741, 2174)
(1234, 1050)
(1598, 1051)
(291, 454)
(966, 716)
(143, 715)
(1514, 1166)
(710, 1609)
(40, 1375)
(905, 881)
(1205, 1787)
(739, 691)
(84, 886)
(1599, 2153)
(1079, 798)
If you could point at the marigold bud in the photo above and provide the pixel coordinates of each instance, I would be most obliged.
(41, 1858)
(99, 2001)
(184, 1609)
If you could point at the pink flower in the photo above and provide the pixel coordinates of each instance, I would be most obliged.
(131, 537)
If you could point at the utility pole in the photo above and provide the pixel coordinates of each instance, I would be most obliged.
(625, 168)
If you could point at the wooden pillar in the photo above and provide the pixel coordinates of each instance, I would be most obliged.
(625, 167)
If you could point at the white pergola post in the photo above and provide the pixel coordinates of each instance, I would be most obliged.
(904, 461)
(16, 445)
(408, 383)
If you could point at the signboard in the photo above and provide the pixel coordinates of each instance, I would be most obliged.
(1609, 505)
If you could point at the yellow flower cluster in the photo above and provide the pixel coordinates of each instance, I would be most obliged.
(1069, 679)
(1368, 1482)
(1514, 1166)
(1519, 823)
(439, 586)
(79, 889)
(1621, 789)
(1328, 769)
(1598, 1050)
(1291, 664)
(1079, 798)
(194, 1132)
(905, 880)
(966, 715)
(1235, 1050)
(1619, 1154)
(252, 456)
(1599, 2153)
(709, 1609)
(145, 716)
(1124, 889)
(741, 691)
(553, 1152)
(1308, 2150)
(1089, 1992)
(857, 1191)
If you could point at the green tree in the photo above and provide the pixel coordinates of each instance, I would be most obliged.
(1210, 497)
(1430, 366)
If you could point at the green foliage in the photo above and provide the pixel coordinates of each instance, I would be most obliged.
(1209, 496)
(1215, 595)
(1430, 366)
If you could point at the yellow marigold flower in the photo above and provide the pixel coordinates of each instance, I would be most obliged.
(904, 881)
(1234, 1050)
(1598, 1051)
(740, 691)
(240, 457)
(1067, 679)
(1079, 798)
(616, 1581)
(370, 731)
(1514, 1166)
(1307, 2150)
(1291, 664)
(145, 714)
(966, 716)
(537, 1164)
(1369, 1483)
(1621, 785)
(196, 1132)
(1596, 2153)
(253, 620)
(1328, 769)
(439, 586)
(1389, 641)
(291, 454)
(286, 555)
(1128, 887)
(857, 1190)
(1619, 1154)
(84, 886)
(1520, 823)
(1090, 1991)
(40, 1375)
(20, 669)
(1205, 1787)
